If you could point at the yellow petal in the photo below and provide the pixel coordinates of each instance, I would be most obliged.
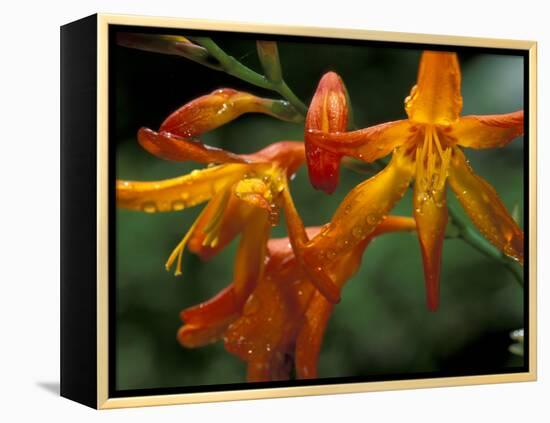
(177, 193)
(487, 131)
(255, 192)
(483, 205)
(436, 96)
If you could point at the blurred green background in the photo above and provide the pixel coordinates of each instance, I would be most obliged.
(382, 326)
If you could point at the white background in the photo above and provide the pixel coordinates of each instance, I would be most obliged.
(29, 67)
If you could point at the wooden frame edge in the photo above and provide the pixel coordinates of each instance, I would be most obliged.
(103, 400)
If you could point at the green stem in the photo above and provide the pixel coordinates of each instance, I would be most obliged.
(473, 238)
(235, 68)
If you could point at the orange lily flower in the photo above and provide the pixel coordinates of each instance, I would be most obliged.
(242, 193)
(426, 147)
(284, 318)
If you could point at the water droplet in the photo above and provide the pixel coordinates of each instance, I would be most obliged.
(178, 205)
(372, 219)
(149, 207)
(347, 209)
(331, 254)
(358, 231)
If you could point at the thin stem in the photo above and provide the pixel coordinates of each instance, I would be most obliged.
(235, 68)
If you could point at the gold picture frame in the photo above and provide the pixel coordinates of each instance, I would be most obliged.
(99, 26)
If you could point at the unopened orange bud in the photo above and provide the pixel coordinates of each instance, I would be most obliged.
(328, 112)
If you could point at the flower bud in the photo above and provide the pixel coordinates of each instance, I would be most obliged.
(268, 54)
(168, 44)
(328, 112)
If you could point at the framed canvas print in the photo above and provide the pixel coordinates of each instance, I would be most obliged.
(256, 211)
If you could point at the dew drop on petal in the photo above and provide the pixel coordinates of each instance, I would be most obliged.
(357, 231)
(372, 219)
(178, 205)
(149, 207)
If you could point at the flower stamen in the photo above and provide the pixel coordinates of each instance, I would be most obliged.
(178, 251)
(212, 229)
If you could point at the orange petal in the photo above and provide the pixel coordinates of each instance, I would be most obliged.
(213, 110)
(172, 147)
(287, 155)
(264, 336)
(368, 144)
(310, 337)
(250, 259)
(360, 213)
(430, 213)
(436, 97)
(177, 193)
(488, 131)
(206, 322)
(482, 203)
(328, 112)
(299, 238)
